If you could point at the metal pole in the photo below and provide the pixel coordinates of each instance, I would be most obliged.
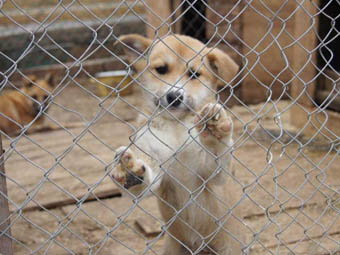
(5, 241)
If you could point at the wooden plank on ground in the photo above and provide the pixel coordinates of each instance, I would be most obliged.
(107, 226)
(148, 226)
(35, 175)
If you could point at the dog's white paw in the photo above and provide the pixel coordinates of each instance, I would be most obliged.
(129, 171)
(213, 120)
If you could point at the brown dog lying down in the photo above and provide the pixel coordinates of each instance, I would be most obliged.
(19, 107)
(182, 154)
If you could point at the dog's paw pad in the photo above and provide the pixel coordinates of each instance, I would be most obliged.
(225, 126)
(127, 160)
(120, 178)
(119, 174)
(213, 120)
(128, 171)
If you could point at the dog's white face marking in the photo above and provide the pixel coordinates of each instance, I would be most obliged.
(179, 84)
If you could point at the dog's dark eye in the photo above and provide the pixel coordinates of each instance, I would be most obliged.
(45, 97)
(193, 74)
(35, 97)
(162, 69)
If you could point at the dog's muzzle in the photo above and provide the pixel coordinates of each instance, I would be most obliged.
(174, 98)
(38, 107)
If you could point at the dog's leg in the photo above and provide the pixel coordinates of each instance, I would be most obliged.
(131, 170)
(215, 127)
(215, 135)
(226, 246)
(173, 247)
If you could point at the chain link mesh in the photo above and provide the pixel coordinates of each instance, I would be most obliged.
(61, 195)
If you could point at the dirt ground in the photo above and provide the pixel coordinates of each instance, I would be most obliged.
(288, 193)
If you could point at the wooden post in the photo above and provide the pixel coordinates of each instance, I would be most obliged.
(266, 39)
(304, 53)
(306, 116)
(5, 241)
(304, 57)
(161, 11)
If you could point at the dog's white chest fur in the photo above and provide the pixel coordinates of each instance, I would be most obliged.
(169, 142)
(176, 150)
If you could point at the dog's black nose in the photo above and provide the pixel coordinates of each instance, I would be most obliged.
(175, 98)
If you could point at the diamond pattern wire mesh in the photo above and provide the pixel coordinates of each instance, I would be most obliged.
(61, 195)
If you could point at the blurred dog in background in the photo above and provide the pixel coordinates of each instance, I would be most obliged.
(19, 107)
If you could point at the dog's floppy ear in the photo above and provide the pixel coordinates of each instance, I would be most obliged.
(222, 65)
(135, 46)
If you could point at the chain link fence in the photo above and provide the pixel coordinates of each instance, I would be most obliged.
(73, 91)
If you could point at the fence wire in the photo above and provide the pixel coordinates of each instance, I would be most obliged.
(66, 111)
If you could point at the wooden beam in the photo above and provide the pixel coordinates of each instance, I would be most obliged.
(279, 42)
(115, 192)
(157, 12)
(304, 54)
(177, 4)
(266, 28)
(5, 241)
(304, 114)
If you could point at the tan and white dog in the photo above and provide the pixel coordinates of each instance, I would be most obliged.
(182, 153)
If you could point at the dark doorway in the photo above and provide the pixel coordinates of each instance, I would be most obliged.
(194, 23)
(329, 32)
(326, 93)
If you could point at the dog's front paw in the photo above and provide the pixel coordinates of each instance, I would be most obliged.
(128, 171)
(214, 121)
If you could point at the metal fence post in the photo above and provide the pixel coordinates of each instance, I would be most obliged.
(5, 241)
